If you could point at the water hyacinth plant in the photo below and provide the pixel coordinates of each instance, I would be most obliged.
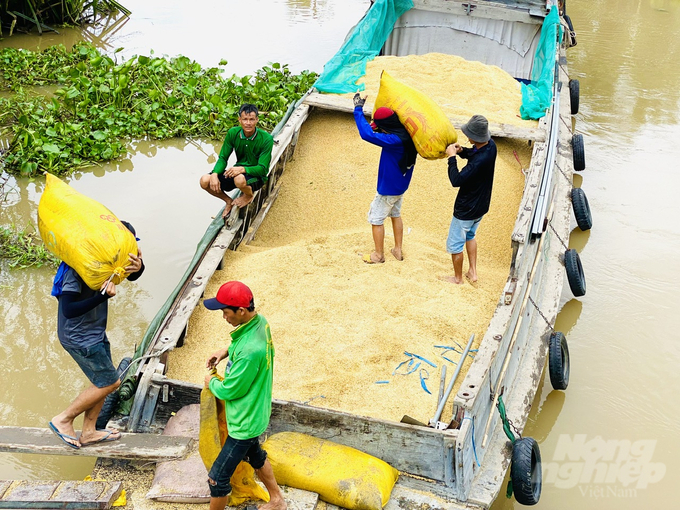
(100, 104)
(24, 248)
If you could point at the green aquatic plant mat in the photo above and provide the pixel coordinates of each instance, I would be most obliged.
(363, 43)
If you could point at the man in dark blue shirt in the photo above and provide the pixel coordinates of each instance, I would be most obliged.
(475, 181)
(395, 170)
(81, 328)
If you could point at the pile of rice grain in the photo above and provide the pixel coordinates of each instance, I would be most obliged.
(340, 325)
(460, 87)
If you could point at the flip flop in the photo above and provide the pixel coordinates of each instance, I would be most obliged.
(64, 437)
(104, 439)
(367, 258)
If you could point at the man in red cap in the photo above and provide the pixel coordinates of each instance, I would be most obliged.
(395, 170)
(247, 392)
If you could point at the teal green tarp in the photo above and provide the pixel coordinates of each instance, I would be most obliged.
(363, 43)
(537, 96)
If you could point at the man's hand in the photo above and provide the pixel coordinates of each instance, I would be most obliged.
(453, 149)
(215, 183)
(233, 171)
(135, 262)
(216, 357)
(358, 100)
(207, 380)
(108, 288)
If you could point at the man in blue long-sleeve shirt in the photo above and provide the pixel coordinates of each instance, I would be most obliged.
(475, 181)
(395, 170)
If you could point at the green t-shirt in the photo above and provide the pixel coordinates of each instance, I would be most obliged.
(247, 385)
(254, 153)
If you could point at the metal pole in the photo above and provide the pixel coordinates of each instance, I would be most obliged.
(440, 408)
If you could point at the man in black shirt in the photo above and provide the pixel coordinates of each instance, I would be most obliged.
(475, 181)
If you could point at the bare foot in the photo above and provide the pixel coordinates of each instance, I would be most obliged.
(451, 279)
(243, 200)
(471, 276)
(274, 504)
(397, 253)
(373, 258)
(227, 208)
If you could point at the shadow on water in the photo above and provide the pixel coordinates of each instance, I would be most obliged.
(578, 239)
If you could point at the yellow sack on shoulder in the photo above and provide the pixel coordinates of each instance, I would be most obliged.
(425, 121)
(84, 234)
(340, 475)
(211, 438)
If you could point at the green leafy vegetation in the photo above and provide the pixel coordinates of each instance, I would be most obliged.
(24, 248)
(100, 104)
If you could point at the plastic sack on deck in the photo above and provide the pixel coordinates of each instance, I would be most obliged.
(211, 438)
(425, 121)
(363, 43)
(537, 96)
(340, 475)
(84, 234)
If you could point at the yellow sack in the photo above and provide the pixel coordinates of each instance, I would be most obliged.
(84, 234)
(211, 438)
(428, 125)
(340, 475)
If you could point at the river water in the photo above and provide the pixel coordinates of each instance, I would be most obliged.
(609, 440)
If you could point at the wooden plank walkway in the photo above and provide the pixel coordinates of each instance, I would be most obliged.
(150, 447)
(70, 494)
(345, 104)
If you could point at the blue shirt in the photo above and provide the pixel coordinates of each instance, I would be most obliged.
(390, 179)
(87, 329)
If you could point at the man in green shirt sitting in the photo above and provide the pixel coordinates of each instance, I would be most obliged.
(253, 149)
(247, 392)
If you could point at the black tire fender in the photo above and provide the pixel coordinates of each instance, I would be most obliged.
(525, 471)
(579, 203)
(575, 275)
(572, 32)
(579, 152)
(112, 399)
(558, 361)
(574, 93)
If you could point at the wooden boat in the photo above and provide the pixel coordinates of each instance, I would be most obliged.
(462, 464)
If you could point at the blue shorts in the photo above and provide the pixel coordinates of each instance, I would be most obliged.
(460, 232)
(232, 453)
(95, 362)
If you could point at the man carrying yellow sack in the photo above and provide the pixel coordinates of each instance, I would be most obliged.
(397, 159)
(81, 328)
(247, 392)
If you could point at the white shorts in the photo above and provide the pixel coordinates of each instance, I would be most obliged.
(384, 206)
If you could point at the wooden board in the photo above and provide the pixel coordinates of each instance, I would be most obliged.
(129, 446)
(68, 494)
(345, 104)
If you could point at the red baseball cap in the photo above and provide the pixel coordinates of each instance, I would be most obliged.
(381, 113)
(230, 294)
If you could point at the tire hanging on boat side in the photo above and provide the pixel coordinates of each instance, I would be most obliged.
(579, 152)
(574, 93)
(112, 399)
(575, 275)
(558, 361)
(525, 471)
(581, 208)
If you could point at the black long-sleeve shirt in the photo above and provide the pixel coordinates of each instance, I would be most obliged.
(475, 181)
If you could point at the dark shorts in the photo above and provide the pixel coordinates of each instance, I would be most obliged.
(95, 362)
(227, 183)
(233, 452)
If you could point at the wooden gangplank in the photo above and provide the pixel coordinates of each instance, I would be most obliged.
(151, 447)
(81, 495)
(345, 104)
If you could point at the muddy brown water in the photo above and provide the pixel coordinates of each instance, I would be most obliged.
(611, 439)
